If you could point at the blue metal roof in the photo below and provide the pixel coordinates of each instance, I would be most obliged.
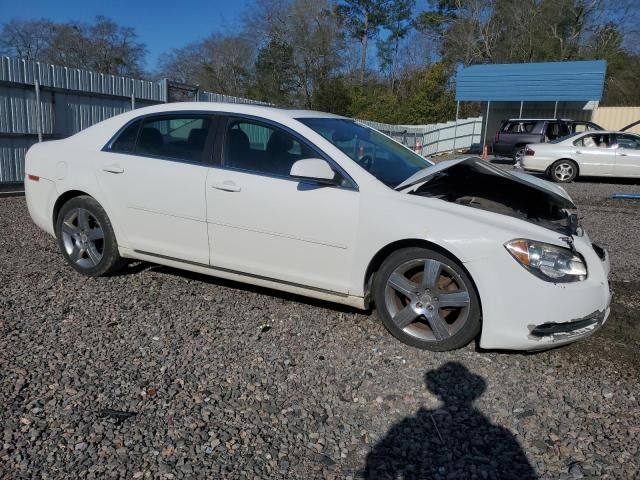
(550, 81)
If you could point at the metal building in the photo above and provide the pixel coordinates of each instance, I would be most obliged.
(534, 90)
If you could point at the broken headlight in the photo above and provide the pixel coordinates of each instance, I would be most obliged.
(549, 262)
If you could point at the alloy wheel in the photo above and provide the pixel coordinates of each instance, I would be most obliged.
(82, 237)
(427, 299)
(563, 171)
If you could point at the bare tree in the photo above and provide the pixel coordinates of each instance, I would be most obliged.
(25, 38)
(102, 45)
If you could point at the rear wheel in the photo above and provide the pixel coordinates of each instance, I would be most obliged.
(427, 300)
(518, 154)
(86, 238)
(563, 171)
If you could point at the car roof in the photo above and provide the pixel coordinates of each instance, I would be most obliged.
(241, 108)
(543, 120)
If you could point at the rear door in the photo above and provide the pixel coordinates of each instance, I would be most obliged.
(154, 174)
(627, 155)
(595, 154)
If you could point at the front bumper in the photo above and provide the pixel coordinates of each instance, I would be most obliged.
(523, 312)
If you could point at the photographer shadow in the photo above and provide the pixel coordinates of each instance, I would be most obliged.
(455, 441)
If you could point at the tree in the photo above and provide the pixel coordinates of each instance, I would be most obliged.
(398, 23)
(311, 30)
(25, 38)
(103, 45)
(223, 64)
(275, 73)
(363, 19)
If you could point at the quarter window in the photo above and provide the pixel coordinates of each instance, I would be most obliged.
(179, 137)
(126, 142)
(260, 148)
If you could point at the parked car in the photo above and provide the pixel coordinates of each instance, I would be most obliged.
(598, 154)
(515, 133)
(287, 199)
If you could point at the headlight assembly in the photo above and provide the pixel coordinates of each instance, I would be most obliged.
(549, 262)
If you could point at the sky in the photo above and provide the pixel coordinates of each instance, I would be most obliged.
(160, 24)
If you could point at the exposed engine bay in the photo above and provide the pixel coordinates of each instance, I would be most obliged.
(475, 183)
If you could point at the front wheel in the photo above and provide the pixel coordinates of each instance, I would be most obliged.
(563, 171)
(86, 237)
(427, 300)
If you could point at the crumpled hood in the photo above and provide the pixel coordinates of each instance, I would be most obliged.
(476, 163)
(475, 183)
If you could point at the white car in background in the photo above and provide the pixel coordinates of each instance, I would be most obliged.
(322, 206)
(593, 154)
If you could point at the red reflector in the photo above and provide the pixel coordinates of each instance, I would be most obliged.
(35, 178)
(528, 151)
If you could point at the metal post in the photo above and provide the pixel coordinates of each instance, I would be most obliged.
(455, 130)
(38, 115)
(133, 94)
(521, 103)
(555, 110)
(486, 126)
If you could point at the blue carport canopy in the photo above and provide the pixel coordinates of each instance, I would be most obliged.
(551, 81)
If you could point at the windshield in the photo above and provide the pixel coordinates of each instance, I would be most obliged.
(384, 158)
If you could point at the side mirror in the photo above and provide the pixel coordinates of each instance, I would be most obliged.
(314, 169)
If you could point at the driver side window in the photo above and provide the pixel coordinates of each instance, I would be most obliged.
(261, 148)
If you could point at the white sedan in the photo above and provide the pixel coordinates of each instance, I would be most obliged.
(322, 206)
(598, 154)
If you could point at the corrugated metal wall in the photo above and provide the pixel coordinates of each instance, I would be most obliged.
(615, 118)
(434, 138)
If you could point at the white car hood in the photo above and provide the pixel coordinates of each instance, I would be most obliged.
(426, 174)
(473, 182)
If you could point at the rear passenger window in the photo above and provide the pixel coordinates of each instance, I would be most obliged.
(179, 137)
(519, 127)
(262, 148)
(126, 142)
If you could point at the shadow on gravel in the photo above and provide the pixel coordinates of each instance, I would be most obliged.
(455, 441)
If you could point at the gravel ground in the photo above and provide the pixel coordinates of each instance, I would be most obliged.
(157, 373)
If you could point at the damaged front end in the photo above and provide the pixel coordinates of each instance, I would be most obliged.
(554, 333)
(475, 183)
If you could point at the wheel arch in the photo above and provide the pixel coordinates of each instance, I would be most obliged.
(64, 198)
(376, 262)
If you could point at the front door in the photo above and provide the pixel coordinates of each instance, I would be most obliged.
(627, 155)
(595, 153)
(263, 222)
(154, 174)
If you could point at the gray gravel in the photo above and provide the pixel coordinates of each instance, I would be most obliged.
(222, 380)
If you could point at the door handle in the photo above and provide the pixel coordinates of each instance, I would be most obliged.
(578, 152)
(227, 186)
(622, 154)
(113, 168)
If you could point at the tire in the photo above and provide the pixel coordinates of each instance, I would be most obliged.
(415, 310)
(563, 171)
(86, 238)
(518, 153)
